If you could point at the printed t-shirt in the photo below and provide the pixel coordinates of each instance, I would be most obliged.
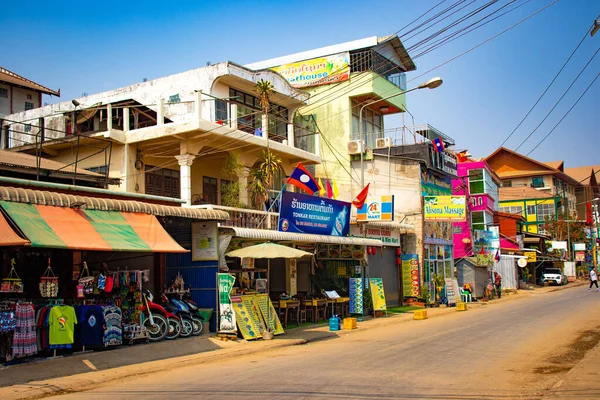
(91, 324)
(62, 322)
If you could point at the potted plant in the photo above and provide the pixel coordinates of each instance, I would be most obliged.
(438, 283)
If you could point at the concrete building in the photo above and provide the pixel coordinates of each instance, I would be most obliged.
(20, 94)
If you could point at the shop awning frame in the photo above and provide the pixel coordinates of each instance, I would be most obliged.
(264, 234)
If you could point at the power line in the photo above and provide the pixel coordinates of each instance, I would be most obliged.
(559, 100)
(547, 87)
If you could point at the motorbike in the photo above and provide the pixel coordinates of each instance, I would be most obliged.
(190, 324)
(194, 309)
(172, 322)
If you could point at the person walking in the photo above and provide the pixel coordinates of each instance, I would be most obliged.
(593, 279)
(498, 284)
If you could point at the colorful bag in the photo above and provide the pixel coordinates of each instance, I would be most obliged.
(49, 283)
(108, 285)
(86, 281)
(12, 283)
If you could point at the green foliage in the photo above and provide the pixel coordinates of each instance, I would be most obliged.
(425, 295)
(526, 274)
(230, 193)
(560, 229)
(261, 178)
(264, 90)
(438, 282)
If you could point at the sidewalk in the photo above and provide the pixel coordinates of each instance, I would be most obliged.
(77, 372)
(581, 382)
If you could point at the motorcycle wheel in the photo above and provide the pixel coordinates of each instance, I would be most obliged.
(159, 329)
(197, 326)
(174, 329)
(186, 327)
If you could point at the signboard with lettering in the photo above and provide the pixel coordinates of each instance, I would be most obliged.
(388, 236)
(302, 213)
(377, 209)
(531, 256)
(317, 71)
(410, 275)
(450, 165)
(445, 208)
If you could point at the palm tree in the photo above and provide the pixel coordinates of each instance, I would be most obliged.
(261, 177)
(264, 90)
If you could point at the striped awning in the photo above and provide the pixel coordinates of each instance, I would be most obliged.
(264, 234)
(82, 229)
(8, 237)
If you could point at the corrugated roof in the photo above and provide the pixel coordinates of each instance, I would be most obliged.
(13, 158)
(95, 203)
(522, 192)
(264, 234)
(12, 78)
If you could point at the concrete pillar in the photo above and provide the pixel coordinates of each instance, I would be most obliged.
(318, 144)
(185, 176)
(290, 135)
(233, 121)
(265, 127)
(109, 119)
(128, 172)
(160, 111)
(243, 183)
(136, 119)
(198, 105)
(126, 119)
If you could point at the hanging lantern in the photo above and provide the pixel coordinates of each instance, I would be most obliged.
(374, 250)
(398, 251)
(398, 261)
(368, 250)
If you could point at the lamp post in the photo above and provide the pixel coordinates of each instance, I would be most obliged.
(430, 84)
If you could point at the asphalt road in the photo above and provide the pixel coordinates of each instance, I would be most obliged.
(510, 350)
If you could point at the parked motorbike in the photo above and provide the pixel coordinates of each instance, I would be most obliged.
(190, 325)
(194, 309)
(173, 322)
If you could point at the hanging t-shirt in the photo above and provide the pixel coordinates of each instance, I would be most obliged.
(91, 325)
(62, 322)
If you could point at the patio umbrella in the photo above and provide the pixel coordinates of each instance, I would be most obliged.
(268, 250)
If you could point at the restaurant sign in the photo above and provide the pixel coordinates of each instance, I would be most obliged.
(302, 213)
(227, 323)
(410, 275)
(388, 236)
(445, 208)
(377, 209)
(316, 71)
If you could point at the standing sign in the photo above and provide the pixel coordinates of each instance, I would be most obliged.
(204, 241)
(309, 214)
(356, 295)
(450, 294)
(377, 209)
(410, 275)
(226, 314)
(376, 285)
(445, 208)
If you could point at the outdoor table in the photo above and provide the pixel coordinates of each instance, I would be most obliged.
(287, 305)
(318, 307)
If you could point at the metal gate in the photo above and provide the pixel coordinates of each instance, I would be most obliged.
(507, 268)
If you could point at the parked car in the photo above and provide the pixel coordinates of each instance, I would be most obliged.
(552, 276)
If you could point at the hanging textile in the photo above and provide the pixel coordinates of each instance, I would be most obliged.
(24, 339)
(113, 334)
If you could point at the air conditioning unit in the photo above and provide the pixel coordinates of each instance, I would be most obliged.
(356, 147)
(383, 143)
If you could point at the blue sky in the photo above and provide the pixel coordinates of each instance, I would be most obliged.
(92, 47)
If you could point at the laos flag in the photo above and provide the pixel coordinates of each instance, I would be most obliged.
(301, 178)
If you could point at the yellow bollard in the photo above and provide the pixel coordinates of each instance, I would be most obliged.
(461, 307)
(420, 314)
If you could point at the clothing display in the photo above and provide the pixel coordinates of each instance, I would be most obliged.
(90, 327)
(113, 332)
(62, 320)
(24, 338)
(8, 321)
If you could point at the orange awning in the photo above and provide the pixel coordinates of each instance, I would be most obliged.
(151, 231)
(8, 237)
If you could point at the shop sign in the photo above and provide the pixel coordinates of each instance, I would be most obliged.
(450, 294)
(204, 241)
(316, 71)
(410, 275)
(445, 208)
(388, 236)
(340, 252)
(559, 245)
(522, 262)
(355, 289)
(579, 246)
(377, 294)
(531, 256)
(580, 256)
(377, 209)
(309, 214)
(450, 165)
(226, 314)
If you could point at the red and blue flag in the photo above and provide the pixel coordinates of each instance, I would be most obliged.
(303, 179)
(438, 144)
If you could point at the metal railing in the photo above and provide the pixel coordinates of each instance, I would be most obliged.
(245, 218)
(370, 60)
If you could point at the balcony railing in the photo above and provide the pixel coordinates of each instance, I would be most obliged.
(370, 60)
(245, 218)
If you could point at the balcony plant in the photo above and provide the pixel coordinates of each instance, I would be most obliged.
(261, 178)
(439, 283)
(230, 193)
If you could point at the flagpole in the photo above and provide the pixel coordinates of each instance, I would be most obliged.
(271, 206)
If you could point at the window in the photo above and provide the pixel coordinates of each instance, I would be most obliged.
(221, 110)
(530, 210)
(27, 128)
(507, 183)
(103, 169)
(249, 115)
(28, 106)
(512, 209)
(477, 221)
(537, 182)
(28, 97)
(476, 181)
(209, 189)
(162, 182)
(4, 93)
(372, 124)
(545, 210)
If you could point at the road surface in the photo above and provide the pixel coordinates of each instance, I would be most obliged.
(515, 349)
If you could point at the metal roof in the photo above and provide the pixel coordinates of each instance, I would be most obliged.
(14, 79)
(95, 203)
(264, 234)
(16, 159)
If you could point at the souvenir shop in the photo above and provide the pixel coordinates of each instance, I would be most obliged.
(65, 288)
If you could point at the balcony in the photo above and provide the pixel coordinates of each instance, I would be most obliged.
(245, 218)
(370, 60)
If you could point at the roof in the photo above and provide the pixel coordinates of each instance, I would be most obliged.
(510, 215)
(372, 41)
(521, 173)
(522, 192)
(44, 197)
(582, 174)
(559, 165)
(14, 79)
(16, 159)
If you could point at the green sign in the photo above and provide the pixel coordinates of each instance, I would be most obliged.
(226, 314)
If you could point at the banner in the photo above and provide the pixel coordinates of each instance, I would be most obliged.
(579, 246)
(355, 289)
(445, 208)
(226, 314)
(269, 314)
(204, 241)
(410, 275)
(531, 256)
(388, 236)
(309, 214)
(377, 209)
(248, 317)
(376, 285)
(316, 71)
(580, 256)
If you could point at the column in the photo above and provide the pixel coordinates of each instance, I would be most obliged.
(233, 120)
(265, 126)
(243, 183)
(160, 111)
(198, 105)
(317, 144)
(185, 171)
(290, 135)
(109, 119)
(126, 119)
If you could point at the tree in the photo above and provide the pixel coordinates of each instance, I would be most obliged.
(559, 229)
(230, 195)
(264, 90)
(261, 178)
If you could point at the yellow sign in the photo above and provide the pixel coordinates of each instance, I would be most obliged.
(445, 208)
(269, 314)
(248, 317)
(531, 256)
(377, 295)
(316, 71)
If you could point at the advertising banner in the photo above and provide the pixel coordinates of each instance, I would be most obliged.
(355, 289)
(204, 241)
(388, 236)
(580, 256)
(376, 285)
(316, 71)
(226, 314)
(445, 208)
(410, 275)
(302, 213)
(377, 209)
(579, 246)
(531, 256)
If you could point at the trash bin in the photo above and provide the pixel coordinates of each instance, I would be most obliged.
(205, 314)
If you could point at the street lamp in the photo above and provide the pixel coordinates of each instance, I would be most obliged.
(430, 84)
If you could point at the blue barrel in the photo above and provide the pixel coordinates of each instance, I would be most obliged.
(334, 323)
